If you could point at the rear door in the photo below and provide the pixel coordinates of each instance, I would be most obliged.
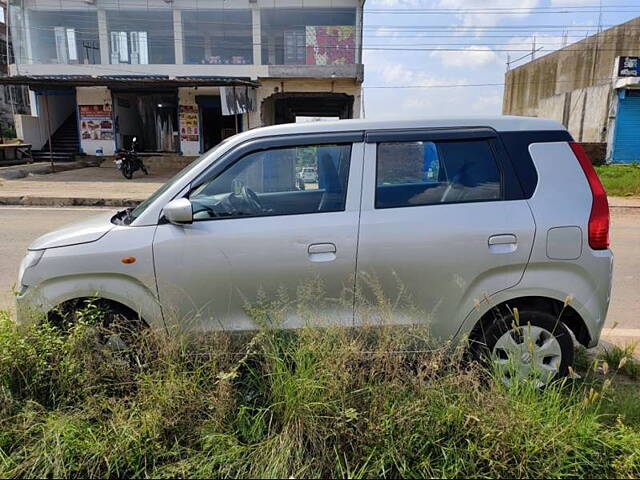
(443, 225)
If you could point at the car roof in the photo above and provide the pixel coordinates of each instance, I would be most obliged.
(502, 123)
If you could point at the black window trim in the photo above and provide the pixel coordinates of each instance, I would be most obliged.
(430, 134)
(272, 143)
(447, 135)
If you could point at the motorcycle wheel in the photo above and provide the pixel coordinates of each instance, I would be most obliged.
(127, 172)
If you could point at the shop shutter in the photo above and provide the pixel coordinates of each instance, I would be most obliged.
(626, 142)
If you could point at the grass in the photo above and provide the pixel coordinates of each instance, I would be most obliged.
(622, 357)
(330, 402)
(620, 180)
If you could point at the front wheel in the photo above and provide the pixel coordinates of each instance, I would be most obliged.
(534, 345)
(127, 170)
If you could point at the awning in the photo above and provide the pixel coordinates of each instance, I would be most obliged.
(44, 81)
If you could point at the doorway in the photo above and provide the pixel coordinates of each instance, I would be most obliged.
(150, 117)
(215, 126)
(287, 107)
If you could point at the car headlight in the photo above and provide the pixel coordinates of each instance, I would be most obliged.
(30, 260)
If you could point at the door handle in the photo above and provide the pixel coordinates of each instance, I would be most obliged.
(322, 248)
(504, 243)
(502, 239)
(322, 252)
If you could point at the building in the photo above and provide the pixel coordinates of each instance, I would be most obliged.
(592, 87)
(181, 75)
(13, 99)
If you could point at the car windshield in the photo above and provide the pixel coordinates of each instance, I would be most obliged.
(136, 212)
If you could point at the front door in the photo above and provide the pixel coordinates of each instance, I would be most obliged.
(437, 234)
(261, 231)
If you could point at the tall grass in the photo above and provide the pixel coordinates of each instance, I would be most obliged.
(380, 401)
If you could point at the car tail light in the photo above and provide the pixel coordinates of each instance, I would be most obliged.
(599, 218)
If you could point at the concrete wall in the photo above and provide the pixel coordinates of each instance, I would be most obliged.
(95, 96)
(576, 80)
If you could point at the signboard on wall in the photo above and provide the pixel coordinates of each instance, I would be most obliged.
(189, 130)
(237, 100)
(96, 122)
(629, 67)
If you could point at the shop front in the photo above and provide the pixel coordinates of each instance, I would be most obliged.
(167, 116)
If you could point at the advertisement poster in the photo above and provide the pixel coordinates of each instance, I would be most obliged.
(331, 45)
(189, 131)
(96, 122)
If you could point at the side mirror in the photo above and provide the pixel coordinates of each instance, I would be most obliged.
(178, 211)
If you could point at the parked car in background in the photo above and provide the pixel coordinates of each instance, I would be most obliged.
(487, 223)
(309, 175)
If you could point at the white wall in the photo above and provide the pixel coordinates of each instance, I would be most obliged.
(95, 96)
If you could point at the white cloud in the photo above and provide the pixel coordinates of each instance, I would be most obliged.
(486, 19)
(574, 3)
(470, 57)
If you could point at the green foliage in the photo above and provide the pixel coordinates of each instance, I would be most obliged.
(379, 401)
(622, 359)
(620, 180)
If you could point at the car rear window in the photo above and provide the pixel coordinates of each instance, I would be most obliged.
(517, 147)
(429, 173)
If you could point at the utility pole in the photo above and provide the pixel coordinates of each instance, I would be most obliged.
(600, 17)
(533, 49)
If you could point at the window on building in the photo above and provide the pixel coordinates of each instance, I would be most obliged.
(428, 173)
(282, 181)
(218, 37)
(308, 36)
(69, 37)
(140, 36)
(2, 15)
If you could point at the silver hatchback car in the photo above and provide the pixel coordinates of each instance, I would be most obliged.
(473, 216)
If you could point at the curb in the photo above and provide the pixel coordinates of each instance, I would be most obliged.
(69, 201)
(22, 171)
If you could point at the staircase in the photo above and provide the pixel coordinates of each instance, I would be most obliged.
(64, 141)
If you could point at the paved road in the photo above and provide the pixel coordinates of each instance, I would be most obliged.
(20, 225)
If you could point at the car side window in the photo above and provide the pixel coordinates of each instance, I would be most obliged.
(430, 173)
(278, 181)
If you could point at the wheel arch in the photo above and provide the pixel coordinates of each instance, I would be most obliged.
(58, 312)
(561, 310)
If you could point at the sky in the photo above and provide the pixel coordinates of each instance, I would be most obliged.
(405, 44)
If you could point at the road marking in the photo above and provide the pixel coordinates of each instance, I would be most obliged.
(68, 209)
(621, 332)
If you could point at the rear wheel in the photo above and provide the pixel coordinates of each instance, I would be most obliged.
(535, 346)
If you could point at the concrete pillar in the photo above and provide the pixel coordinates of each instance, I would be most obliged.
(257, 36)
(27, 39)
(103, 36)
(178, 36)
(358, 34)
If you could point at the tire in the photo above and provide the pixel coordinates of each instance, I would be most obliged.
(116, 328)
(541, 347)
(127, 172)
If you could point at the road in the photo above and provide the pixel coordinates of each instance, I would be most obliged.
(21, 225)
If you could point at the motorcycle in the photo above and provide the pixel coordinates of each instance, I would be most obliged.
(128, 162)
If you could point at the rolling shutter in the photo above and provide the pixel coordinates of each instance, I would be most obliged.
(626, 142)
